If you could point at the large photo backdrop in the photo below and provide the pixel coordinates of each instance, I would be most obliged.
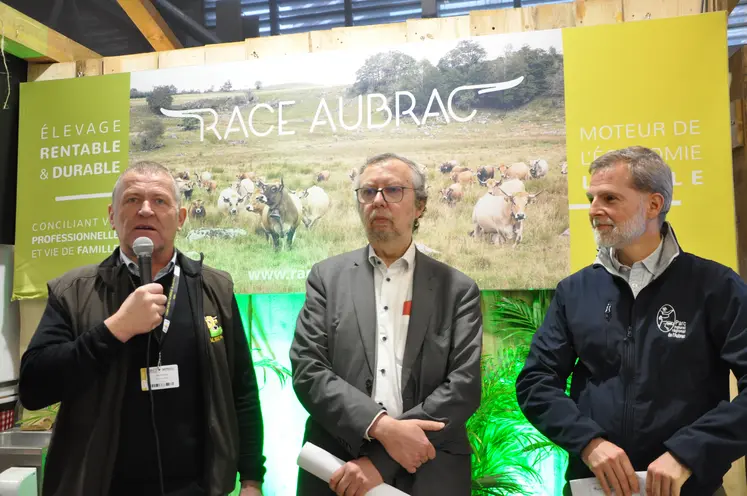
(266, 151)
(461, 109)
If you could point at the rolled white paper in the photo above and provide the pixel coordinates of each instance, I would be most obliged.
(323, 464)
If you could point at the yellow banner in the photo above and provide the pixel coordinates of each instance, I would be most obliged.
(661, 84)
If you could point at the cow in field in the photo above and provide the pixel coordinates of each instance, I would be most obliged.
(484, 173)
(464, 177)
(230, 202)
(282, 215)
(501, 217)
(352, 174)
(538, 168)
(505, 187)
(564, 167)
(197, 210)
(185, 188)
(210, 186)
(315, 203)
(452, 194)
(518, 170)
(447, 167)
(244, 187)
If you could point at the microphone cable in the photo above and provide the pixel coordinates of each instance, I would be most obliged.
(153, 416)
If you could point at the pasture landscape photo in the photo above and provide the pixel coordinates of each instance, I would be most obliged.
(266, 152)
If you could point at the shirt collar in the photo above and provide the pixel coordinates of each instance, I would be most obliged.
(135, 270)
(651, 262)
(408, 257)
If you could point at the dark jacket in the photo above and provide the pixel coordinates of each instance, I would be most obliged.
(650, 374)
(74, 359)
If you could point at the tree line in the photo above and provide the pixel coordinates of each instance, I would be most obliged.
(467, 63)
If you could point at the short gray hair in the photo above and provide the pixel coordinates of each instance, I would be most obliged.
(151, 168)
(649, 172)
(418, 178)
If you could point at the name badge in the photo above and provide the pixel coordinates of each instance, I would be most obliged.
(165, 377)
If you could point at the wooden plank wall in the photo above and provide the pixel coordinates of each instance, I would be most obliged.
(488, 22)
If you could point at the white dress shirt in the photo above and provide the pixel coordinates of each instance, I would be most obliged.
(393, 293)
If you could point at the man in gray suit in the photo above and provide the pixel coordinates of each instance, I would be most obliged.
(386, 354)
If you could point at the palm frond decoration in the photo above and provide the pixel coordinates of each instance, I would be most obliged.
(506, 449)
(265, 363)
(517, 318)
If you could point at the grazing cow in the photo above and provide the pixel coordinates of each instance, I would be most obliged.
(245, 187)
(352, 174)
(507, 187)
(185, 188)
(485, 173)
(452, 194)
(564, 167)
(315, 203)
(518, 170)
(210, 186)
(447, 167)
(182, 175)
(501, 217)
(463, 177)
(230, 202)
(322, 176)
(282, 215)
(538, 168)
(197, 210)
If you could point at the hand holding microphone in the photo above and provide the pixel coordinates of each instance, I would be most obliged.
(143, 309)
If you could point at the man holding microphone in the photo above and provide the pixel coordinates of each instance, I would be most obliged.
(158, 393)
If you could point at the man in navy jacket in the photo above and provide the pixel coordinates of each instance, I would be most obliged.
(650, 334)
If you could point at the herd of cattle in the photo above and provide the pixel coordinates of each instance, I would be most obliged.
(281, 210)
(498, 214)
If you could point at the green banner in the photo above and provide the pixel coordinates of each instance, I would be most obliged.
(73, 144)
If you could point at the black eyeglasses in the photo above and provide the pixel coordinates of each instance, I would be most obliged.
(391, 194)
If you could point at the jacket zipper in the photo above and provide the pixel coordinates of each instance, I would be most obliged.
(629, 376)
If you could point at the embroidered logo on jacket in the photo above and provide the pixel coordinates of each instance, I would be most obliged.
(216, 331)
(666, 321)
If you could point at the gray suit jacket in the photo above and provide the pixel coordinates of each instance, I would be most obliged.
(333, 356)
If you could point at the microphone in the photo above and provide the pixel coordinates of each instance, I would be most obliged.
(143, 248)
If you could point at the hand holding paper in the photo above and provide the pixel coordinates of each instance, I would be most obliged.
(592, 486)
(322, 464)
(611, 467)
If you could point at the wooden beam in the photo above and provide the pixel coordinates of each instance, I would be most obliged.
(33, 41)
(151, 24)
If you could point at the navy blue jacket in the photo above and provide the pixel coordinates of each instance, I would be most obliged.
(650, 374)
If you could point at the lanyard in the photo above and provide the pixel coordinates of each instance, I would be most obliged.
(169, 314)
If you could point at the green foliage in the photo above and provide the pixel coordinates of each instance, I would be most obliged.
(160, 97)
(189, 123)
(506, 448)
(270, 364)
(149, 138)
(467, 63)
(517, 320)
